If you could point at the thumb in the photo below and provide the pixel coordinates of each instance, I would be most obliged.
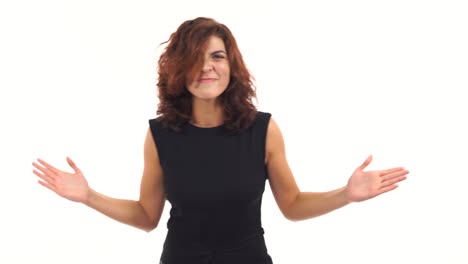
(366, 163)
(73, 165)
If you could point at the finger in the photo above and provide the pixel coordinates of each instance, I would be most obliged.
(387, 189)
(395, 174)
(47, 185)
(392, 181)
(73, 165)
(44, 170)
(366, 163)
(383, 172)
(44, 177)
(48, 166)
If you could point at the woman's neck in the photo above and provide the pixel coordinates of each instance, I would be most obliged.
(207, 113)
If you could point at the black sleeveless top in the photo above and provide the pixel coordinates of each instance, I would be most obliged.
(214, 181)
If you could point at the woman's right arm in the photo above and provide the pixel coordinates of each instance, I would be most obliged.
(143, 214)
(146, 212)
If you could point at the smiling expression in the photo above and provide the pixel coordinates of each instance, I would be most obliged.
(214, 76)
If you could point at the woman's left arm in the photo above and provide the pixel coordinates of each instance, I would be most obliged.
(296, 205)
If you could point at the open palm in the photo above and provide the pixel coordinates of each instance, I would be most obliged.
(364, 185)
(72, 186)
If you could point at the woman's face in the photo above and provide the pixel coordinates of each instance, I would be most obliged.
(214, 76)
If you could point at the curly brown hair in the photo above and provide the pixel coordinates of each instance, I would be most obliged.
(182, 59)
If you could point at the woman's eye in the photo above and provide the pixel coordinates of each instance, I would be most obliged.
(218, 56)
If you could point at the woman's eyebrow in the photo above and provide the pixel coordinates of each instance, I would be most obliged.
(217, 51)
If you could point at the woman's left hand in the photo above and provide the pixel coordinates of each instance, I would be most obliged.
(364, 185)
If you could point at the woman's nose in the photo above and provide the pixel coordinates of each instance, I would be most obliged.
(207, 66)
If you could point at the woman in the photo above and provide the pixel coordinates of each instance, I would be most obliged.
(209, 153)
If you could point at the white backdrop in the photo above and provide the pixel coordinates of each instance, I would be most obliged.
(343, 79)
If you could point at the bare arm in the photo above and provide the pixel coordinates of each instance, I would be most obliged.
(312, 204)
(296, 205)
(143, 214)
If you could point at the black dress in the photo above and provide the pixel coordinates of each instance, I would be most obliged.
(214, 181)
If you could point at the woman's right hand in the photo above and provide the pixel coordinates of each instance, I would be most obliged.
(72, 186)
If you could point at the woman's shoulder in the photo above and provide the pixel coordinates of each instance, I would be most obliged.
(155, 122)
(263, 114)
(157, 126)
(263, 117)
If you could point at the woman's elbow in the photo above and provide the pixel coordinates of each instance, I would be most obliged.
(149, 226)
(291, 217)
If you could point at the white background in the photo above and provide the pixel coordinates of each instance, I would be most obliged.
(343, 79)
